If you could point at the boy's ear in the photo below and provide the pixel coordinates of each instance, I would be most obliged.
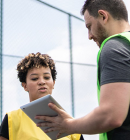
(53, 84)
(24, 85)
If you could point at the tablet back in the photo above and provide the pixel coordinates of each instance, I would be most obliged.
(40, 107)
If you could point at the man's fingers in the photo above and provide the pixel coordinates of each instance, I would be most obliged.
(54, 107)
(49, 130)
(44, 118)
(58, 135)
(45, 124)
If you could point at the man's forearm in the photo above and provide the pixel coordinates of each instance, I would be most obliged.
(95, 122)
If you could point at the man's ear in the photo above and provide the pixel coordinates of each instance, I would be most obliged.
(24, 85)
(103, 15)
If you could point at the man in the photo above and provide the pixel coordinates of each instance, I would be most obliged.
(107, 23)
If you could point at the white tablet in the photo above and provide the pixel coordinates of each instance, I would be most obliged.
(40, 107)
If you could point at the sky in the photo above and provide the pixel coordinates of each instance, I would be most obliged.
(29, 26)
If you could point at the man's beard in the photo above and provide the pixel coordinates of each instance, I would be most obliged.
(101, 34)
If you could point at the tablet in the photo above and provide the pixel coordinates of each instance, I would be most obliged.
(40, 107)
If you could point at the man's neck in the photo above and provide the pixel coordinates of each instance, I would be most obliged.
(119, 27)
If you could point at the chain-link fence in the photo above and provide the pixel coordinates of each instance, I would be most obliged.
(30, 26)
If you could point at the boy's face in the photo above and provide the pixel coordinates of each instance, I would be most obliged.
(39, 82)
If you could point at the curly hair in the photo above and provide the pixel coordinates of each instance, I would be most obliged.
(116, 8)
(35, 60)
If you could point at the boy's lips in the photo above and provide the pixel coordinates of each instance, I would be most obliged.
(42, 89)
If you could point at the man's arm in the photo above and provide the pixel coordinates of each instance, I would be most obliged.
(111, 113)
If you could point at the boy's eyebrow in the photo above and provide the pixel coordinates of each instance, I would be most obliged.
(33, 74)
(37, 74)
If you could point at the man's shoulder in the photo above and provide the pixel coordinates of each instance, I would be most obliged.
(116, 43)
(114, 48)
(122, 37)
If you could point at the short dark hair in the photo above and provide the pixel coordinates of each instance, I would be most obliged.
(116, 8)
(35, 60)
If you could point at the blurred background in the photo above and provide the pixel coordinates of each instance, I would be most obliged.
(53, 27)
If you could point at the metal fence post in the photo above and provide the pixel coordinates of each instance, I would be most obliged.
(70, 45)
(71, 65)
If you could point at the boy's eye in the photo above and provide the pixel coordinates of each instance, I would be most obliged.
(47, 77)
(34, 79)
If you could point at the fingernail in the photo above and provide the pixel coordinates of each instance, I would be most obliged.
(38, 124)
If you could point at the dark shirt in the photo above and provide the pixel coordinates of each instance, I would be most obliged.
(114, 66)
(4, 128)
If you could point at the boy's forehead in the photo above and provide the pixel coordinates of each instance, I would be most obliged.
(36, 71)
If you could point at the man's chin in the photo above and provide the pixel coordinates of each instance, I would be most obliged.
(98, 44)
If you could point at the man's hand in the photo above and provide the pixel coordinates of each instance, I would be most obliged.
(110, 114)
(62, 122)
